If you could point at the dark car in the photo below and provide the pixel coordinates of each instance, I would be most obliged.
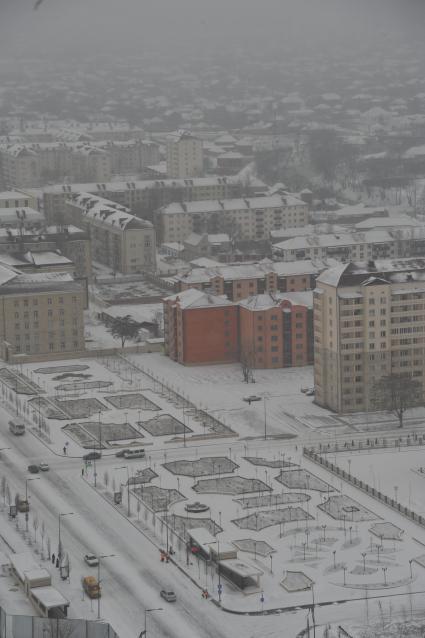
(120, 453)
(92, 456)
(33, 469)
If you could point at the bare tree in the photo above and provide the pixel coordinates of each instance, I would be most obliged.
(8, 495)
(42, 534)
(247, 359)
(49, 548)
(124, 328)
(397, 393)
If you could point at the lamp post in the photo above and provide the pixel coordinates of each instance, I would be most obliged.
(26, 498)
(364, 562)
(265, 417)
(59, 530)
(410, 565)
(384, 570)
(147, 611)
(125, 467)
(344, 570)
(218, 569)
(99, 558)
(312, 610)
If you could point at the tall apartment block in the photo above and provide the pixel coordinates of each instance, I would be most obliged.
(41, 313)
(184, 155)
(119, 240)
(369, 322)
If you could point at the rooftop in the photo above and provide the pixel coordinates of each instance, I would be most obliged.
(193, 298)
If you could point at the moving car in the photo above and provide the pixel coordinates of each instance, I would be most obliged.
(168, 595)
(43, 467)
(91, 456)
(134, 454)
(91, 560)
(310, 392)
(33, 469)
(251, 398)
(91, 586)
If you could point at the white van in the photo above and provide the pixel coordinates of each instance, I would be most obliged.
(134, 454)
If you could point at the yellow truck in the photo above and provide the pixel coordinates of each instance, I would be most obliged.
(91, 586)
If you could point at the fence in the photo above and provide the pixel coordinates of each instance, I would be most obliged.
(375, 443)
(365, 487)
(13, 626)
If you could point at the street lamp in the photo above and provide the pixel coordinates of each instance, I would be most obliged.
(125, 467)
(218, 570)
(26, 498)
(100, 557)
(147, 611)
(59, 529)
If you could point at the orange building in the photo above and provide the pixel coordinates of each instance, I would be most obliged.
(263, 331)
(200, 328)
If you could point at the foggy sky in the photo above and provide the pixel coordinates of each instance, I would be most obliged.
(76, 26)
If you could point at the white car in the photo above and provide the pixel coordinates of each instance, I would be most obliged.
(169, 596)
(91, 560)
(43, 467)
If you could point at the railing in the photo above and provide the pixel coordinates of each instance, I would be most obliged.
(365, 487)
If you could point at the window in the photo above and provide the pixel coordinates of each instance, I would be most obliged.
(50, 313)
(49, 301)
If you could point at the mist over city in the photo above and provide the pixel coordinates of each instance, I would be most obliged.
(212, 318)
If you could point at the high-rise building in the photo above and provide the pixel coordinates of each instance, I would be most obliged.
(184, 155)
(369, 322)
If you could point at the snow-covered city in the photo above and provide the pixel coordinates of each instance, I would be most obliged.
(212, 319)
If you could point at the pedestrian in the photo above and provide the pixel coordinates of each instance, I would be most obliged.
(53, 559)
(57, 562)
(82, 471)
(64, 450)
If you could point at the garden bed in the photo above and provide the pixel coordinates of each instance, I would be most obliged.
(230, 485)
(202, 467)
(164, 425)
(131, 402)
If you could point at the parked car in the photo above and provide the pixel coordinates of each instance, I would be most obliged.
(43, 467)
(91, 560)
(251, 398)
(168, 595)
(91, 456)
(91, 586)
(33, 469)
(310, 392)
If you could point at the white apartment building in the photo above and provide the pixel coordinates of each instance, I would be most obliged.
(145, 196)
(250, 218)
(17, 199)
(184, 155)
(355, 246)
(119, 240)
(369, 322)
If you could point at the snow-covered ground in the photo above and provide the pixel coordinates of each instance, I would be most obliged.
(343, 558)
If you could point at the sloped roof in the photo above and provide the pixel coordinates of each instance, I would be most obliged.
(192, 298)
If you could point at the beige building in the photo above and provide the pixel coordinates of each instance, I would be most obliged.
(369, 322)
(356, 246)
(250, 218)
(119, 240)
(184, 155)
(41, 313)
(17, 199)
(145, 196)
(73, 243)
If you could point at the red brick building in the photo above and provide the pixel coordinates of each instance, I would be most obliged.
(265, 331)
(200, 328)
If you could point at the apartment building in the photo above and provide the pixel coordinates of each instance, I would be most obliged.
(19, 166)
(184, 155)
(145, 196)
(41, 313)
(369, 322)
(250, 218)
(90, 163)
(355, 246)
(262, 331)
(119, 240)
(17, 199)
(276, 331)
(240, 281)
(200, 328)
(73, 243)
(131, 156)
(21, 218)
